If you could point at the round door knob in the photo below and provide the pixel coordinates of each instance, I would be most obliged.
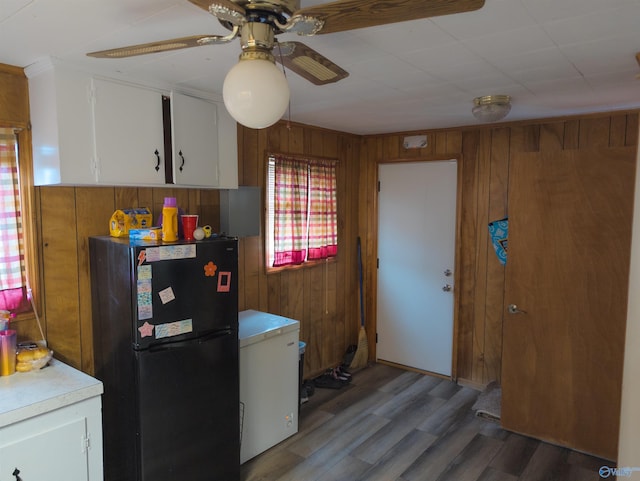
(513, 309)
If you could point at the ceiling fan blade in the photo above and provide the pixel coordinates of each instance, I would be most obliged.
(308, 63)
(164, 45)
(203, 4)
(344, 15)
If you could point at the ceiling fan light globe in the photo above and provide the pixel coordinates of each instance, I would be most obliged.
(256, 93)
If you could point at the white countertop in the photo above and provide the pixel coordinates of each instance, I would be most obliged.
(27, 394)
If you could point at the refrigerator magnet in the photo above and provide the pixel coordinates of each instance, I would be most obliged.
(143, 296)
(210, 269)
(152, 254)
(176, 328)
(224, 281)
(146, 330)
(167, 295)
(144, 272)
(145, 311)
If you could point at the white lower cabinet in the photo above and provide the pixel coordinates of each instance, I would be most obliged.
(51, 425)
(65, 444)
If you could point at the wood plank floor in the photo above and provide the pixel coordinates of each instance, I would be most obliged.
(394, 425)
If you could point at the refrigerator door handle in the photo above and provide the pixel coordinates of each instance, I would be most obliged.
(214, 334)
(208, 336)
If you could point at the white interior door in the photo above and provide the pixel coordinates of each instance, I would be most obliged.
(416, 247)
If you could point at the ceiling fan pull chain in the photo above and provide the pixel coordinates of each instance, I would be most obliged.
(284, 71)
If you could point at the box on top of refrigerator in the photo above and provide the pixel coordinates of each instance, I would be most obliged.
(122, 221)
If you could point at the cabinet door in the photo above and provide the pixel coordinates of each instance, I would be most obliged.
(129, 134)
(195, 141)
(55, 453)
(64, 444)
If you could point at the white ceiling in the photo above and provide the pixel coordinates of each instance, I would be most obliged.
(554, 57)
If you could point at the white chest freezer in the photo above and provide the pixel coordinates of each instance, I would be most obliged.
(268, 380)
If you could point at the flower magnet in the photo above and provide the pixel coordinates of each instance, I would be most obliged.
(210, 269)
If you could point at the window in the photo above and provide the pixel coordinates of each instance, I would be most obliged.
(301, 220)
(14, 287)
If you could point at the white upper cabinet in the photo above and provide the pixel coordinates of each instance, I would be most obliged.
(129, 134)
(90, 130)
(194, 124)
(62, 125)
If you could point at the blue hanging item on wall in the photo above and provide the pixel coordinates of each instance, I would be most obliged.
(499, 232)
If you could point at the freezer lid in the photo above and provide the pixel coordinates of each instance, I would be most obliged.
(255, 326)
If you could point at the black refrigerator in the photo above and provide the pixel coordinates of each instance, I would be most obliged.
(165, 329)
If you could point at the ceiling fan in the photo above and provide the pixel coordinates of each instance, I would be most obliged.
(255, 94)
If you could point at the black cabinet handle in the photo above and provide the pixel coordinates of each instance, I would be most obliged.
(158, 159)
(15, 473)
(182, 157)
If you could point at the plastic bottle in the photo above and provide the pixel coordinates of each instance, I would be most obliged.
(169, 220)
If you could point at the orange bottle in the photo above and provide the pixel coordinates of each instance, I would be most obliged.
(169, 220)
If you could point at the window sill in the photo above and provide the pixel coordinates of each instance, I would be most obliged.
(24, 316)
(304, 265)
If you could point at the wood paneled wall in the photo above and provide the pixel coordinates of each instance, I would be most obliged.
(14, 113)
(484, 155)
(14, 97)
(68, 217)
(324, 298)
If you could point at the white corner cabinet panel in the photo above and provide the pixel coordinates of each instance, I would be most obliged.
(227, 150)
(61, 124)
(51, 425)
(129, 134)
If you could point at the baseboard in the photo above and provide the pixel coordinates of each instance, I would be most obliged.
(478, 386)
(413, 369)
